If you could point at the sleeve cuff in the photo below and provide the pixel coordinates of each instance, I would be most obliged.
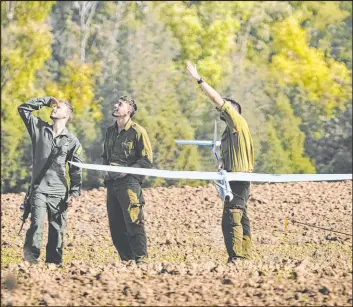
(45, 100)
(226, 106)
(74, 193)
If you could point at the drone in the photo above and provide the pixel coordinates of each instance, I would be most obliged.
(221, 178)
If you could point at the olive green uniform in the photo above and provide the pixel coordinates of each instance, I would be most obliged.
(238, 156)
(51, 193)
(128, 147)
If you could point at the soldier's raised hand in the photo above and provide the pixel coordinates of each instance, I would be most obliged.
(192, 70)
(53, 101)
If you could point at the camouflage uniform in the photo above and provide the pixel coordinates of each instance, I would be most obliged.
(238, 156)
(129, 147)
(52, 191)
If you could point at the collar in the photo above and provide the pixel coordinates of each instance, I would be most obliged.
(127, 125)
(64, 132)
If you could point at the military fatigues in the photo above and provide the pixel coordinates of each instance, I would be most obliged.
(238, 156)
(50, 194)
(129, 147)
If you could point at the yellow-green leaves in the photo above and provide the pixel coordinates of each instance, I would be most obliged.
(26, 46)
(325, 81)
(206, 32)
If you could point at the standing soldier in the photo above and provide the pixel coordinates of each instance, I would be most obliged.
(53, 145)
(126, 144)
(237, 156)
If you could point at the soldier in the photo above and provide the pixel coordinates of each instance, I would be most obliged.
(126, 144)
(237, 156)
(51, 193)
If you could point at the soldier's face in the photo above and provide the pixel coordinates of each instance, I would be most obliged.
(60, 110)
(121, 109)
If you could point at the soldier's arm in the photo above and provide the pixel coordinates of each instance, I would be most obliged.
(104, 155)
(25, 110)
(143, 151)
(233, 118)
(75, 172)
(207, 89)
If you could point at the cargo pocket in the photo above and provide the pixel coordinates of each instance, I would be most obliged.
(236, 217)
(135, 205)
(134, 212)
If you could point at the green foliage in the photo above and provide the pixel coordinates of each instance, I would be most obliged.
(77, 86)
(288, 63)
(299, 65)
(206, 33)
(26, 38)
(283, 150)
(333, 151)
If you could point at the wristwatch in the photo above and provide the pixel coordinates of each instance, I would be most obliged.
(200, 80)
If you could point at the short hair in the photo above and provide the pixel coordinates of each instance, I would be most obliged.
(131, 102)
(234, 103)
(70, 108)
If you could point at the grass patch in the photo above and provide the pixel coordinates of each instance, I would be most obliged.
(10, 255)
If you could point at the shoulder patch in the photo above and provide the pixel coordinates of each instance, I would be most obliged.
(79, 150)
(139, 129)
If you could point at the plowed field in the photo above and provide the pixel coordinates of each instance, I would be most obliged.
(294, 265)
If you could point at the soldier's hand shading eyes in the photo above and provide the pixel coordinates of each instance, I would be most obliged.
(53, 101)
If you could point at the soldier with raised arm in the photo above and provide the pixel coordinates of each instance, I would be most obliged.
(237, 153)
(53, 146)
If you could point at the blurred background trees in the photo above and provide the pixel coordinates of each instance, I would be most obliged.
(288, 63)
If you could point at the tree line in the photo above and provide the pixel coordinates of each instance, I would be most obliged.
(288, 63)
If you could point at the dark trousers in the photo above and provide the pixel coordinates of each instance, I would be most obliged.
(235, 222)
(55, 207)
(126, 219)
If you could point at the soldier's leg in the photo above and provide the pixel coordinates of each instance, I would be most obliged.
(231, 221)
(117, 225)
(34, 235)
(247, 243)
(131, 200)
(57, 224)
(232, 232)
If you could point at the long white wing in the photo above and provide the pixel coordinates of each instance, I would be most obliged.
(195, 175)
(200, 142)
(254, 177)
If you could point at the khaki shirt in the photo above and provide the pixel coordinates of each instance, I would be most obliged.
(66, 145)
(130, 147)
(237, 147)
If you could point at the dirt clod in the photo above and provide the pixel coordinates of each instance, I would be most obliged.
(292, 264)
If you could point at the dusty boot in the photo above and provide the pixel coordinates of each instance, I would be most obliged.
(141, 261)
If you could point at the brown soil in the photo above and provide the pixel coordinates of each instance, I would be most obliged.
(300, 265)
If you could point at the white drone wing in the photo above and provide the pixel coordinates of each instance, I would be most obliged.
(195, 175)
(200, 142)
(254, 177)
